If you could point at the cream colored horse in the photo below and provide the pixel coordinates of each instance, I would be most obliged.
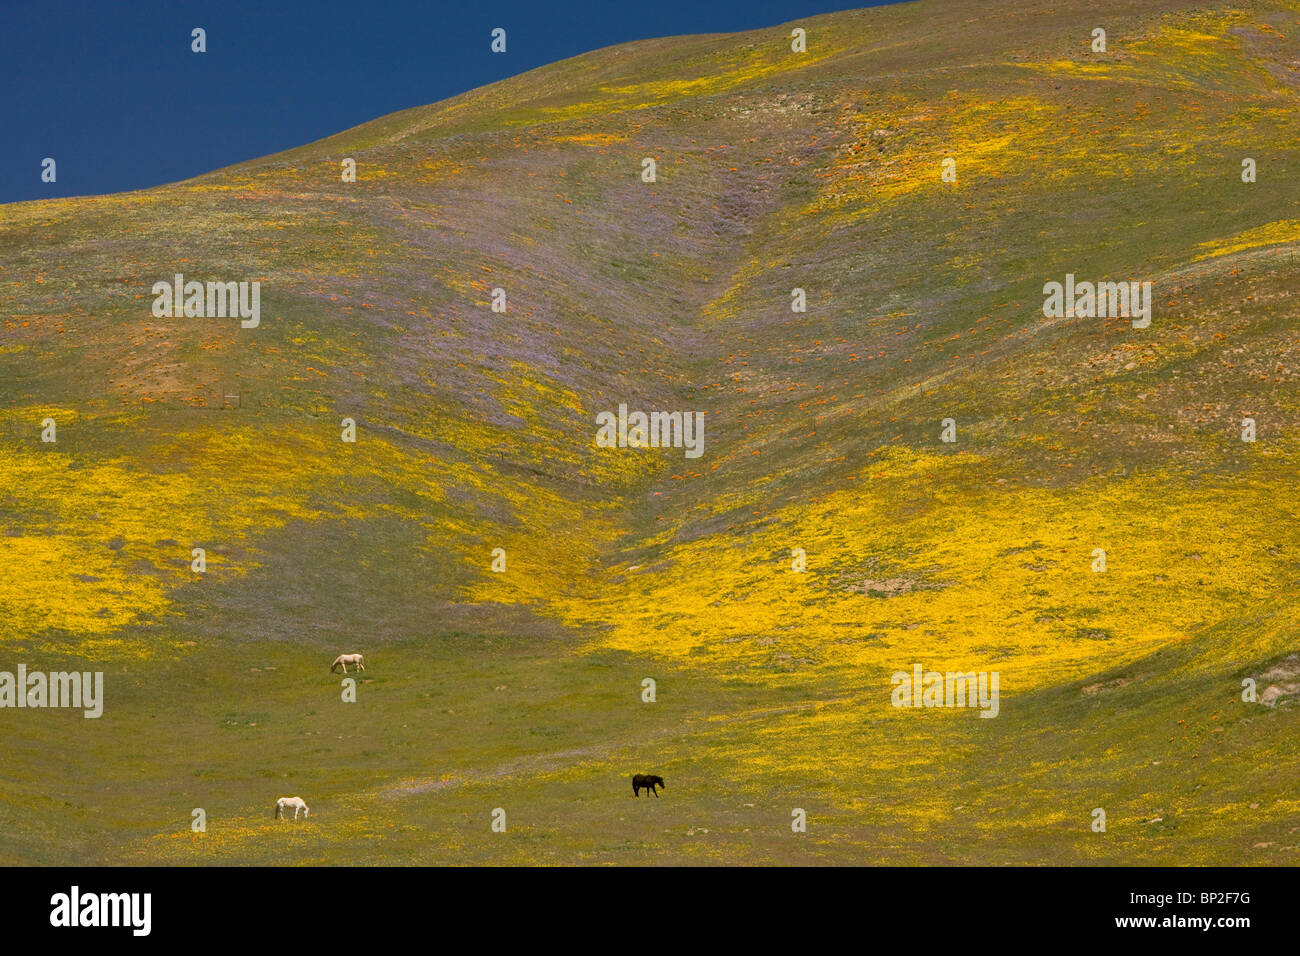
(284, 803)
(346, 659)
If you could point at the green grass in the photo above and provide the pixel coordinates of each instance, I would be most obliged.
(444, 731)
(475, 431)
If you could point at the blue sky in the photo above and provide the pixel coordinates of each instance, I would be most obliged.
(112, 92)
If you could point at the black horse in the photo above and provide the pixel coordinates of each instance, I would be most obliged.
(647, 780)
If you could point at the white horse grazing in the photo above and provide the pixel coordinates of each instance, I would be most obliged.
(284, 803)
(346, 659)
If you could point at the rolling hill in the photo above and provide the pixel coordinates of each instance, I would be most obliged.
(475, 430)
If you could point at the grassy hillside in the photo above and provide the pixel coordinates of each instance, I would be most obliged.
(476, 430)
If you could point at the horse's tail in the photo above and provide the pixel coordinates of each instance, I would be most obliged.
(278, 808)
